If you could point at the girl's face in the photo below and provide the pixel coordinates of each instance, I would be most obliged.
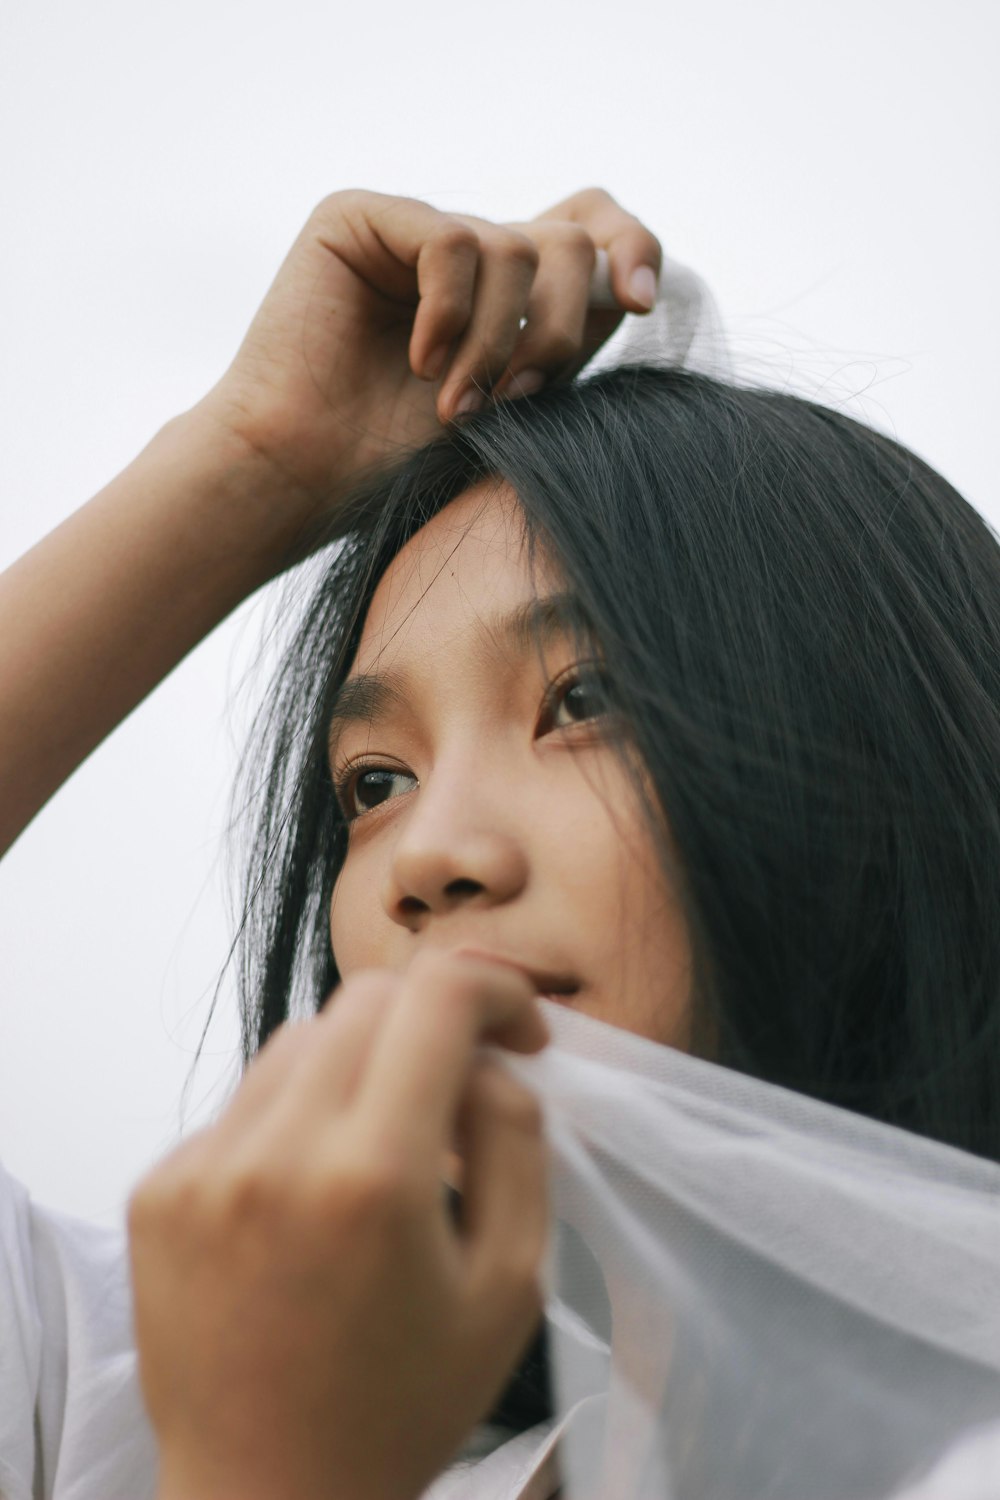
(495, 814)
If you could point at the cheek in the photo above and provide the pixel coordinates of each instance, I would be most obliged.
(626, 879)
(594, 845)
(362, 935)
(348, 926)
(603, 822)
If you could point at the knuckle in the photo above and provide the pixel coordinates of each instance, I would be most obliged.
(455, 237)
(340, 1190)
(221, 1206)
(225, 1191)
(168, 1192)
(594, 197)
(513, 248)
(571, 238)
(374, 1188)
(345, 200)
(240, 1195)
(451, 310)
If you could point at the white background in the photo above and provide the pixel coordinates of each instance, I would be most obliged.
(829, 169)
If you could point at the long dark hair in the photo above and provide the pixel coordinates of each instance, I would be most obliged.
(800, 621)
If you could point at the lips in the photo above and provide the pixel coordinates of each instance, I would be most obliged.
(547, 983)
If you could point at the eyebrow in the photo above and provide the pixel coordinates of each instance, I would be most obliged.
(368, 698)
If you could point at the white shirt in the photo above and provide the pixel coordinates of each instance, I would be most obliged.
(72, 1421)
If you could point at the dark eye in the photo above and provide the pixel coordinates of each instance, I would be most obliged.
(363, 787)
(582, 694)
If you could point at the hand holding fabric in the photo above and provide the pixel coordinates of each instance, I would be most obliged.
(309, 1320)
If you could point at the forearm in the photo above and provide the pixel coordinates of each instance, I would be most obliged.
(102, 609)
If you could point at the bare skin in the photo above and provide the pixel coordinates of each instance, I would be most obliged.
(499, 823)
(280, 1258)
(335, 373)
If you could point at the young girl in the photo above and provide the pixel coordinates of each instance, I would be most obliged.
(672, 702)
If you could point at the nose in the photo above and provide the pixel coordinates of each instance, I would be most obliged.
(460, 845)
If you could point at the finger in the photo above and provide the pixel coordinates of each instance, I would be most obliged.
(505, 1201)
(507, 264)
(419, 1065)
(446, 278)
(552, 338)
(321, 1059)
(264, 1076)
(635, 255)
(414, 253)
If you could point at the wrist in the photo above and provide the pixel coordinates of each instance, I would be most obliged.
(260, 516)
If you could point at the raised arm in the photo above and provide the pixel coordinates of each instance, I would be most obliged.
(101, 609)
(386, 319)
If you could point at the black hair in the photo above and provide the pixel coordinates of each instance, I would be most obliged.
(800, 623)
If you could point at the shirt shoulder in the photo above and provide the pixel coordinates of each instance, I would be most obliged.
(72, 1419)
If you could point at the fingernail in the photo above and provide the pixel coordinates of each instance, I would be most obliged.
(526, 383)
(470, 402)
(434, 363)
(642, 286)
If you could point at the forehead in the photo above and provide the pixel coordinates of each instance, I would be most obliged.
(467, 564)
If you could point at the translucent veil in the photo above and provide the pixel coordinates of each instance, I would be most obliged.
(752, 1295)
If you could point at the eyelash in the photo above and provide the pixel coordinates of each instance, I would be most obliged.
(344, 780)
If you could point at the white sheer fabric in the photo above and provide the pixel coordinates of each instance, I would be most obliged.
(770, 1298)
(683, 327)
